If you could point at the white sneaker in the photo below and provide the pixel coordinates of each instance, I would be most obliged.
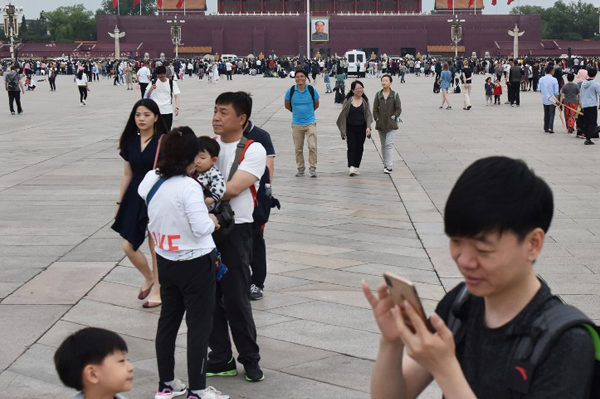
(351, 171)
(356, 172)
(212, 393)
(83, 102)
(165, 391)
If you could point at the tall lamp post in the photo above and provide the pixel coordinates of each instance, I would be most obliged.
(176, 24)
(456, 32)
(11, 25)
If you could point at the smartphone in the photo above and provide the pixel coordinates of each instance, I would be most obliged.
(402, 289)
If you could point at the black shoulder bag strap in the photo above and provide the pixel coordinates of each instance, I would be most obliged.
(238, 155)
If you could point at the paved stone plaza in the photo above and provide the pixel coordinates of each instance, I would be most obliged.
(62, 266)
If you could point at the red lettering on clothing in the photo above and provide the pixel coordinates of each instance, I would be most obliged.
(171, 238)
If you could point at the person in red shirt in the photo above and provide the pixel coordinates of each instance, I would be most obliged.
(497, 91)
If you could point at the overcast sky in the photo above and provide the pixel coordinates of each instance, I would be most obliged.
(32, 8)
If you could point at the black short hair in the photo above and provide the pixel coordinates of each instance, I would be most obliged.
(300, 70)
(240, 100)
(387, 75)
(178, 150)
(498, 194)
(160, 70)
(209, 145)
(570, 77)
(549, 68)
(86, 346)
(591, 71)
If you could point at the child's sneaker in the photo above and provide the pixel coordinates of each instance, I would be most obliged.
(208, 393)
(166, 391)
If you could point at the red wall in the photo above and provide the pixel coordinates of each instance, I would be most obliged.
(286, 35)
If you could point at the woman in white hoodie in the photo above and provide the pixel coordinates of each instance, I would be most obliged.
(182, 230)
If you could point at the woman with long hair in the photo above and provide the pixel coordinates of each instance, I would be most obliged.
(81, 80)
(354, 123)
(445, 82)
(138, 146)
(182, 229)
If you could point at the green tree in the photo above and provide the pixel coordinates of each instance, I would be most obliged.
(126, 7)
(573, 21)
(528, 10)
(70, 23)
(36, 31)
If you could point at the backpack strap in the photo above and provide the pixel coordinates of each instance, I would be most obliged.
(154, 189)
(171, 86)
(292, 90)
(311, 90)
(252, 187)
(533, 347)
(454, 322)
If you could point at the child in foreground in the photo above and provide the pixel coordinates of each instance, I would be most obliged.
(94, 362)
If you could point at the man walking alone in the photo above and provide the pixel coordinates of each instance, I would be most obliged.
(14, 87)
(302, 100)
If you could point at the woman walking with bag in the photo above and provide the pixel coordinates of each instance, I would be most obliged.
(182, 228)
(354, 123)
(386, 111)
(139, 146)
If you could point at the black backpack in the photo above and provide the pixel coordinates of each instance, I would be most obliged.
(311, 90)
(533, 347)
(13, 82)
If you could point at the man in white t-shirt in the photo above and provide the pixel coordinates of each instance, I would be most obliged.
(165, 93)
(143, 75)
(229, 69)
(232, 307)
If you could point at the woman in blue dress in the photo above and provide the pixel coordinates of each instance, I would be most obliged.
(138, 146)
(445, 82)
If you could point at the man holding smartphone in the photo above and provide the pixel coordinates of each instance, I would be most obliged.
(496, 216)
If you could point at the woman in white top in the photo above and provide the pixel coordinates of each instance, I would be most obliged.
(81, 80)
(182, 230)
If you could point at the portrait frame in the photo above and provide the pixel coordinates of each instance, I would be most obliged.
(319, 36)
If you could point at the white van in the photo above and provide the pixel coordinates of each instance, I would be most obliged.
(357, 62)
(228, 57)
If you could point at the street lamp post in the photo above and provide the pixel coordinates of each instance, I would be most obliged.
(456, 32)
(11, 25)
(176, 24)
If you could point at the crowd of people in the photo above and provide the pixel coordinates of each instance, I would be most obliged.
(202, 205)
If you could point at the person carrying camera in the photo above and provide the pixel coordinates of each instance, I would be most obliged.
(232, 308)
(165, 92)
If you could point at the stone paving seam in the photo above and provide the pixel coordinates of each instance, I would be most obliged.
(408, 213)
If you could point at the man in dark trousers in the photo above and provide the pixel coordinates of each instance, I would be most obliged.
(258, 260)
(232, 307)
(14, 87)
(514, 83)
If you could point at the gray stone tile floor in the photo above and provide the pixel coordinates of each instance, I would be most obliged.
(62, 268)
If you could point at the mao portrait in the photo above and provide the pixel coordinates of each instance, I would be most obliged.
(320, 30)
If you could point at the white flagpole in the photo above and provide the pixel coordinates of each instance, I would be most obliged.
(118, 7)
(141, 8)
(453, 8)
(183, 7)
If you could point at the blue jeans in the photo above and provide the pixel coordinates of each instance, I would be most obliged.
(387, 147)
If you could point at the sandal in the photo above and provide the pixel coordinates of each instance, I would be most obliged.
(151, 304)
(144, 293)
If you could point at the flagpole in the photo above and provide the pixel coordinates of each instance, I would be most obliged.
(183, 7)
(453, 8)
(118, 7)
(141, 8)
